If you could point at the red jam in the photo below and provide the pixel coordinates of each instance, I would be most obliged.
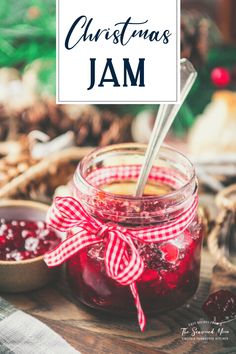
(24, 239)
(170, 277)
(220, 306)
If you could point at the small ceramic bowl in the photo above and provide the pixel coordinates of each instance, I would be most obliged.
(30, 274)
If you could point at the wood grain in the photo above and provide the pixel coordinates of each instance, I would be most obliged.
(92, 332)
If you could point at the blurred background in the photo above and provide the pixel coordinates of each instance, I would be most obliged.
(32, 126)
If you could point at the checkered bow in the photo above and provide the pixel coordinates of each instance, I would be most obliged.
(122, 260)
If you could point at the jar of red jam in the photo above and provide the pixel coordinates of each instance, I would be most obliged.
(104, 184)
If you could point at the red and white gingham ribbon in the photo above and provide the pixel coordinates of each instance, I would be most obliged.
(122, 260)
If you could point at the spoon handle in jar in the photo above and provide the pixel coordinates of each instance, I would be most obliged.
(165, 117)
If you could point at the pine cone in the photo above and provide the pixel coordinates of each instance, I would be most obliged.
(198, 34)
(91, 127)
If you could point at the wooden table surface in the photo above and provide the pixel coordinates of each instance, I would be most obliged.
(91, 332)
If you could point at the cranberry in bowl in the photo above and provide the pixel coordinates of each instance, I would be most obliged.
(24, 239)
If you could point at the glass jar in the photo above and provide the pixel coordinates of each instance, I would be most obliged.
(171, 267)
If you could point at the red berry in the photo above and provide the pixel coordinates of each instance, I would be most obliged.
(25, 254)
(220, 77)
(171, 279)
(149, 275)
(3, 242)
(18, 242)
(170, 252)
(41, 249)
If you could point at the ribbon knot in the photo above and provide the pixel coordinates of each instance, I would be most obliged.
(104, 230)
(123, 262)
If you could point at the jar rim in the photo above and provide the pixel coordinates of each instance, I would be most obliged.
(79, 175)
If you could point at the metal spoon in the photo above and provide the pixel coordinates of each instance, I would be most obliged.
(165, 117)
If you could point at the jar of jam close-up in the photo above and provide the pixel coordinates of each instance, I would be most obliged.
(104, 184)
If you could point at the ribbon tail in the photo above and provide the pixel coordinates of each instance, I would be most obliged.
(141, 316)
